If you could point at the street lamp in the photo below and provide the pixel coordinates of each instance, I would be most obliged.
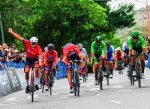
(1, 26)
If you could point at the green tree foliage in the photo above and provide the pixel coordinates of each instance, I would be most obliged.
(122, 17)
(63, 21)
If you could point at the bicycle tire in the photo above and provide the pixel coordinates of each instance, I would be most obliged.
(101, 79)
(133, 79)
(107, 80)
(138, 74)
(50, 83)
(32, 88)
(78, 91)
(43, 83)
(139, 82)
(75, 90)
(101, 85)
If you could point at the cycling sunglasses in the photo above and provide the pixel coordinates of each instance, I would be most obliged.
(34, 43)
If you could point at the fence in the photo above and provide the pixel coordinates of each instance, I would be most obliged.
(12, 76)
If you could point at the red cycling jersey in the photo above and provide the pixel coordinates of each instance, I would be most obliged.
(31, 52)
(68, 48)
(50, 57)
(118, 55)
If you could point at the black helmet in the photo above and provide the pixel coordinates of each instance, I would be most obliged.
(50, 46)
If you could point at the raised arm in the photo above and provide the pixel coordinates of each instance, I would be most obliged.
(15, 34)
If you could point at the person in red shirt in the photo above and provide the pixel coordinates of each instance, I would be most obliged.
(70, 52)
(33, 57)
(50, 60)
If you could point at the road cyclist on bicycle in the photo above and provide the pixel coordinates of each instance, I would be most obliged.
(70, 52)
(136, 43)
(33, 57)
(98, 53)
(50, 60)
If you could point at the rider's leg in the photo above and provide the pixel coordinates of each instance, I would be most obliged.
(110, 63)
(133, 60)
(70, 77)
(36, 76)
(26, 70)
(142, 59)
(46, 76)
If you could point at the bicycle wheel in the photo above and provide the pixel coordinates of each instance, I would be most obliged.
(138, 74)
(139, 82)
(133, 80)
(78, 91)
(77, 84)
(107, 80)
(50, 83)
(101, 79)
(43, 82)
(84, 77)
(32, 88)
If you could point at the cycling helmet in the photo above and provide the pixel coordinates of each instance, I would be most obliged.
(34, 40)
(98, 39)
(80, 46)
(118, 48)
(50, 46)
(45, 49)
(135, 34)
(107, 43)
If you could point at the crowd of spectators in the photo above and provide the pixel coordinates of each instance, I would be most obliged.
(10, 53)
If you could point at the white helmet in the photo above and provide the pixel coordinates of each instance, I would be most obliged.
(80, 46)
(34, 40)
(45, 49)
(118, 48)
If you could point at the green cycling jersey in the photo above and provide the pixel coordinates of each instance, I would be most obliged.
(139, 43)
(98, 49)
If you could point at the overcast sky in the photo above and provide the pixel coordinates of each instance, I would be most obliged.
(138, 3)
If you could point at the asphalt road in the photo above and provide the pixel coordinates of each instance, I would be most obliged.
(118, 95)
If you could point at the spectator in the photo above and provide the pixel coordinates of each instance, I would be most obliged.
(1, 53)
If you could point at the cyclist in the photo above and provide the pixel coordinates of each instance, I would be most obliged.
(70, 52)
(125, 50)
(33, 57)
(118, 57)
(137, 43)
(110, 57)
(83, 65)
(50, 59)
(98, 51)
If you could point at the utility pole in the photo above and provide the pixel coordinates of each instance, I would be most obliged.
(1, 27)
(148, 18)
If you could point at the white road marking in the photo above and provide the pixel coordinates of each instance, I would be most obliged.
(98, 95)
(94, 89)
(55, 93)
(10, 99)
(117, 86)
(35, 96)
(116, 102)
(64, 97)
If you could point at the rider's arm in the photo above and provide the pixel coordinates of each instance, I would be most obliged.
(105, 49)
(45, 58)
(56, 58)
(92, 52)
(130, 45)
(40, 55)
(15, 34)
(143, 44)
